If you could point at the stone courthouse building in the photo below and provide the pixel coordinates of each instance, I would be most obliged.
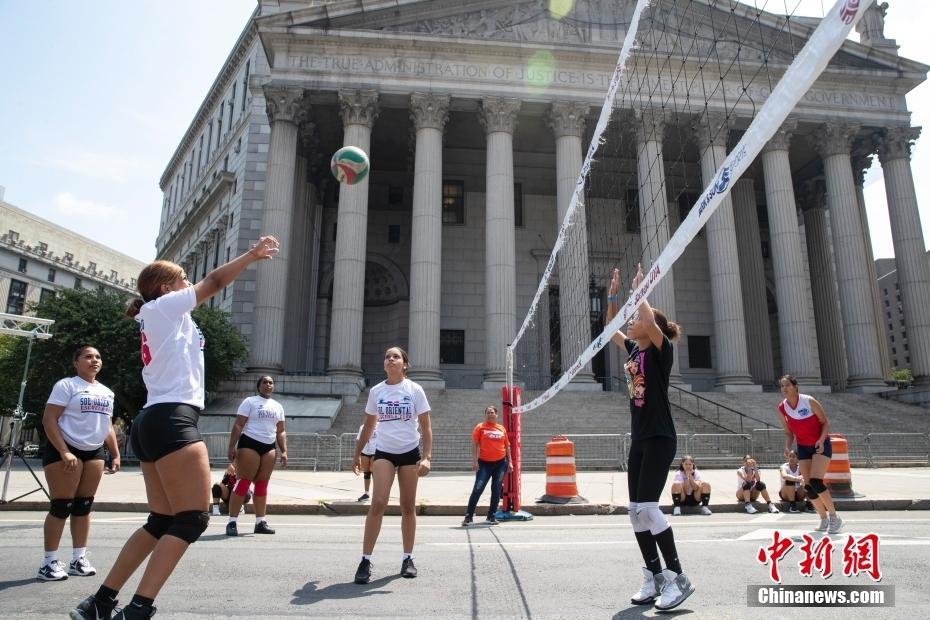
(474, 159)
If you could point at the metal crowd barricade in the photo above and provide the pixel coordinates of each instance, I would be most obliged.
(893, 448)
(718, 450)
(768, 447)
(858, 446)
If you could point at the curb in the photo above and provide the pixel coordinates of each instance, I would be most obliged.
(349, 507)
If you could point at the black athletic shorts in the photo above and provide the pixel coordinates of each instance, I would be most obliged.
(253, 444)
(399, 460)
(162, 429)
(806, 453)
(51, 454)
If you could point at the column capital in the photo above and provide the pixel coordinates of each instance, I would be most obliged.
(499, 114)
(712, 129)
(811, 194)
(649, 124)
(781, 141)
(835, 138)
(358, 107)
(429, 111)
(284, 103)
(861, 162)
(895, 143)
(567, 118)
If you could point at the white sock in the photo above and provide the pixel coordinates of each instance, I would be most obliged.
(233, 519)
(78, 553)
(50, 556)
(366, 557)
(260, 520)
(406, 555)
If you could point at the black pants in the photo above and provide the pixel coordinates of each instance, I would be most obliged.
(648, 467)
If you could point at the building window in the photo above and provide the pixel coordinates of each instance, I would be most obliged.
(51, 274)
(451, 346)
(16, 299)
(45, 294)
(632, 211)
(78, 283)
(894, 351)
(907, 360)
(884, 290)
(22, 265)
(699, 352)
(892, 337)
(393, 233)
(888, 315)
(245, 84)
(518, 205)
(905, 347)
(453, 202)
(904, 334)
(887, 304)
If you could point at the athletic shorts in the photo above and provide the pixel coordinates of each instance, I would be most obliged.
(51, 454)
(806, 453)
(399, 460)
(690, 500)
(760, 486)
(371, 456)
(253, 444)
(162, 429)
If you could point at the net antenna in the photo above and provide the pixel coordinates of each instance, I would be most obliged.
(33, 329)
(698, 94)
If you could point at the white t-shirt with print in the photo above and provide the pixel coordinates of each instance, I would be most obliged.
(87, 418)
(172, 349)
(370, 447)
(680, 476)
(398, 408)
(263, 416)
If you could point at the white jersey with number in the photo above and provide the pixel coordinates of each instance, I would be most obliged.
(398, 408)
(172, 349)
(263, 416)
(87, 418)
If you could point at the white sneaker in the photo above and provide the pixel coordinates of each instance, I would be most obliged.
(81, 567)
(677, 589)
(751, 509)
(706, 511)
(835, 524)
(773, 508)
(216, 510)
(676, 510)
(53, 571)
(824, 524)
(650, 588)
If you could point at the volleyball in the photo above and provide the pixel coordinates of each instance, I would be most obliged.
(349, 165)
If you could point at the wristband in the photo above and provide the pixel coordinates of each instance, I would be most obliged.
(612, 298)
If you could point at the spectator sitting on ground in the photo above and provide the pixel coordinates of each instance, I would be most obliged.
(688, 489)
(749, 485)
(223, 488)
(792, 485)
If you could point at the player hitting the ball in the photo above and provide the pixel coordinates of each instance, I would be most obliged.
(401, 412)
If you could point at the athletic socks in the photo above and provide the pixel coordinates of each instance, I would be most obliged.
(676, 499)
(260, 520)
(647, 546)
(50, 556)
(366, 557)
(705, 499)
(405, 556)
(106, 594)
(78, 553)
(666, 542)
(233, 519)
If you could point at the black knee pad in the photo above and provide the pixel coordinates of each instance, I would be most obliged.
(760, 486)
(189, 525)
(61, 508)
(81, 506)
(216, 491)
(811, 493)
(158, 524)
(367, 475)
(818, 485)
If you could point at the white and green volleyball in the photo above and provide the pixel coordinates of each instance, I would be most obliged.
(349, 165)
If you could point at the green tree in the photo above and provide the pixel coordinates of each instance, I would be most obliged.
(97, 317)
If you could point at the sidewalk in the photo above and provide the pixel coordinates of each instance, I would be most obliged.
(334, 493)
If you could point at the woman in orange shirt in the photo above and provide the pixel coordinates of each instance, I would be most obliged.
(490, 457)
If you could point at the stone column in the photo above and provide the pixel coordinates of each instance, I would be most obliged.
(861, 163)
(567, 121)
(795, 331)
(833, 142)
(359, 110)
(429, 114)
(907, 236)
(499, 117)
(752, 269)
(284, 107)
(827, 314)
(653, 212)
(733, 374)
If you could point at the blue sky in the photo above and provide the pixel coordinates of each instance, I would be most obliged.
(97, 95)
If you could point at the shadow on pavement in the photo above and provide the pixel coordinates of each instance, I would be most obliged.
(6, 585)
(639, 611)
(309, 593)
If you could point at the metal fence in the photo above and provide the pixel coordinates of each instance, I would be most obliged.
(452, 452)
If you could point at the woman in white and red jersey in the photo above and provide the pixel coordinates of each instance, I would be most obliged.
(805, 421)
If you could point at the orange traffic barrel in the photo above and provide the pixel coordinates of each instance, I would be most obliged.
(561, 486)
(839, 476)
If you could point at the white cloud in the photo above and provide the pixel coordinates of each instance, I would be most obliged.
(115, 168)
(69, 204)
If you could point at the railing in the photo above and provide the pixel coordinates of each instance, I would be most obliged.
(452, 452)
(721, 416)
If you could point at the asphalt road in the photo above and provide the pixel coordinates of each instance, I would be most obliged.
(552, 567)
